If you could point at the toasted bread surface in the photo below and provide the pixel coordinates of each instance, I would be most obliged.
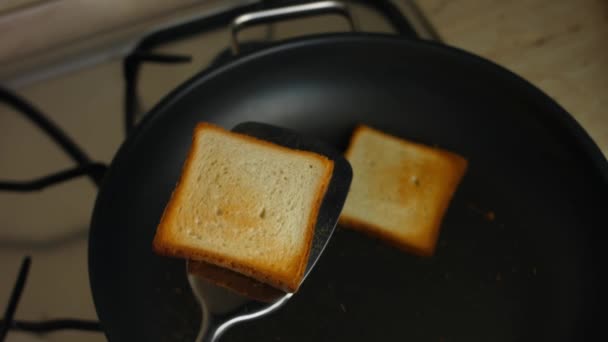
(245, 204)
(400, 189)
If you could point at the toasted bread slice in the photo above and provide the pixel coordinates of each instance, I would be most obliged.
(400, 190)
(245, 204)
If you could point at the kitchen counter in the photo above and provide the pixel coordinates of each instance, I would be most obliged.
(558, 45)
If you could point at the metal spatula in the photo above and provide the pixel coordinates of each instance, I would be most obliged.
(227, 298)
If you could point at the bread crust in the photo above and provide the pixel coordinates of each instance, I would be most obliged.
(459, 168)
(237, 282)
(164, 243)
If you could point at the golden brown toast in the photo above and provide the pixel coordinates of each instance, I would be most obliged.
(245, 204)
(400, 189)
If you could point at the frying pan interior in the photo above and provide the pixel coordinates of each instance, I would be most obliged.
(528, 273)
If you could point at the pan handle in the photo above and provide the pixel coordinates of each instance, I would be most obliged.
(282, 13)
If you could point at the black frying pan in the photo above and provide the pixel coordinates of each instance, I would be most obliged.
(530, 274)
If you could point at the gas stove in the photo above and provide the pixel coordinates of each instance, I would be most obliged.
(48, 201)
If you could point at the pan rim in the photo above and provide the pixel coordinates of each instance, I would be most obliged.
(563, 117)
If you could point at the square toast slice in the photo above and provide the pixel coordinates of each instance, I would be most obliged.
(400, 190)
(247, 205)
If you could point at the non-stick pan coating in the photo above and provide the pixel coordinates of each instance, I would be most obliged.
(530, 274)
